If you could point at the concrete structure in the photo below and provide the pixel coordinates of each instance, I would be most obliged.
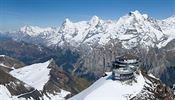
(123, 67)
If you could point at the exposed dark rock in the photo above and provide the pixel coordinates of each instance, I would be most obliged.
(154, 90)
(8, 63)
(17, 87)
(58, 80)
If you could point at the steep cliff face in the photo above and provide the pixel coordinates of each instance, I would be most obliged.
(154, 89)
(59, 81)
(7, 63)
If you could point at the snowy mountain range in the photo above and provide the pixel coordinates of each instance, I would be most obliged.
(131, 30)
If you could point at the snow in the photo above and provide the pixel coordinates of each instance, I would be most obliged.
(34, 30)
(2, 55)
(5, 94)
(171, 35)
(94, 21)
(107, 89)
(1, 64)
(58, 96)
(36, 75)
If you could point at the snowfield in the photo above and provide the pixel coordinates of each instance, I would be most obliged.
(107, 89)
(59, 96)
(36, 75)
(4, 93)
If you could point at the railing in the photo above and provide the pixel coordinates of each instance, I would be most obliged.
(119, 77)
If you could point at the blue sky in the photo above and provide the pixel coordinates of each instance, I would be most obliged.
(16, 13)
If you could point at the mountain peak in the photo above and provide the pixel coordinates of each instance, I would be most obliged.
(95, 17)
(138, 15)
(30, 30)
(67, 20)
(33, 30)
(136, 12)
(94, 20)
(25, 28)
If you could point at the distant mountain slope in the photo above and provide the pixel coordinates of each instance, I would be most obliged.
(22, 50)
(30, 53)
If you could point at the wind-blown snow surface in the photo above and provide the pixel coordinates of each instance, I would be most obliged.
(107, 89)
(36, 75)
(58, 96)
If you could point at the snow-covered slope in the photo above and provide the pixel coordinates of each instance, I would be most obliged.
(132, 29)
(34, 30)
(36, 35)
(13, 89)
(36, 75)
(40, 81)
(39, 76)
(107, 89)
(6, 95)
(168, 27)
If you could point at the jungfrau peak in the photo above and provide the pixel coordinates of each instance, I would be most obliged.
(34, 30)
